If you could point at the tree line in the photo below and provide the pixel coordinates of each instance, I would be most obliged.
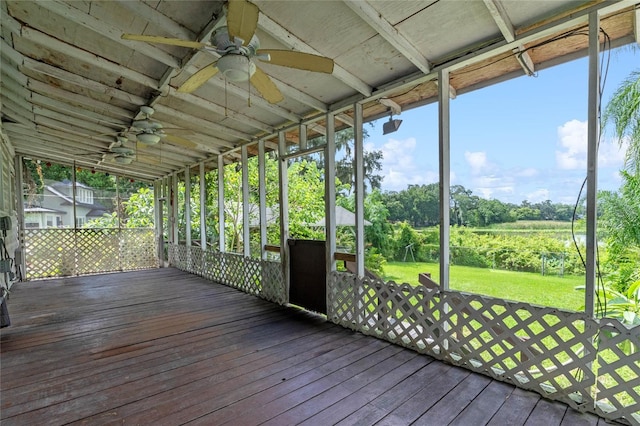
(418, 205)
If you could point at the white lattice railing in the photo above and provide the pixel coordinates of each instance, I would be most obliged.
(562, 355)
(66, 252)
(258, 277)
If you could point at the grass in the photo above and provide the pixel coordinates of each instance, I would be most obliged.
(528, 287)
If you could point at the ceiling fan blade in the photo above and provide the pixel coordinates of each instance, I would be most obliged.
(177, 140)
(299, 60)
(242, 20)
(164, 40)
(266, 87)
(198, 79)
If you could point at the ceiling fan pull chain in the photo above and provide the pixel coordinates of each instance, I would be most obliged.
(226, 110)
(249, 84)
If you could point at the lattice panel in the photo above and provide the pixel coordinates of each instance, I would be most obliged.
(542, 349)
(49, 253)
(241, 272)
(178, 256)
(57, 252)
(138, 249)
(273, 288)
(97, 250)
(196, 260)
(618, 367)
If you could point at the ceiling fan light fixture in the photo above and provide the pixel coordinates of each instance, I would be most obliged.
(121, 159)
(236, 67)
(148, 138)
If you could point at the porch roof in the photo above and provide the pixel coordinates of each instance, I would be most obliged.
(70, 84)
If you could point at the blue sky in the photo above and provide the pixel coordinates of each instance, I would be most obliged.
(523, 139)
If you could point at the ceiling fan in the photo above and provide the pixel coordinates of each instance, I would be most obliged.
(120, 153)
(150, 132)
(239, 47)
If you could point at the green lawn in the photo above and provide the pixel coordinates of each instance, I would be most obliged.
(529, 287)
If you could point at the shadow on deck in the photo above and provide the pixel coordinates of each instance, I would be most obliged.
(166, 347)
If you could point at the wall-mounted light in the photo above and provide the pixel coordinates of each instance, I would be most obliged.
(391, 125)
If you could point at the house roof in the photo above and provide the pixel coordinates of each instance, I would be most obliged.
(70, 83)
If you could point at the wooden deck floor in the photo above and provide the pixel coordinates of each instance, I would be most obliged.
(163, 347)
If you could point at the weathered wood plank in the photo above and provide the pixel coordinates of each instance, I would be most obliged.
(166, 347)
(546, 413)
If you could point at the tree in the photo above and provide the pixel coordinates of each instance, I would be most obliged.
(621, 211)
(623, 110)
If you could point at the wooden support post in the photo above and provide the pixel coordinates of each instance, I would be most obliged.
(187, 206)
(246, 237)
(221, 245)
(203, 207)
(263, 199)
(445, 174)
(359, 187)
(593, 135)
(284, 209)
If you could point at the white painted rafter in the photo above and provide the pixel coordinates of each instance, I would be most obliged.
(390, 33)
(502, 20)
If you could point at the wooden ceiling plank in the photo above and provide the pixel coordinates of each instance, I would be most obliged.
(18, 91)
(79, 123)
(202, 124)
(91, 59)
(217, 109)
(390, 33)
(84, 82)
(9, 54)
(103, 107)
(148, 13)
(293, 42)
(100, 27)
(16, 112)
(82, 114)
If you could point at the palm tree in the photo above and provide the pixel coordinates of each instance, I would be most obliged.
(624, 111)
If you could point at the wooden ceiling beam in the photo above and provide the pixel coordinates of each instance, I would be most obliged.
(502, 20)
(391, 34)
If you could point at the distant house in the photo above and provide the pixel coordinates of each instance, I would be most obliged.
(55, 208)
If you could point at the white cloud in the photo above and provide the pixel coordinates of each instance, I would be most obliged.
(528, 172)
(572, 155)
(538, 195)
(399, 166)
(477, 161)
